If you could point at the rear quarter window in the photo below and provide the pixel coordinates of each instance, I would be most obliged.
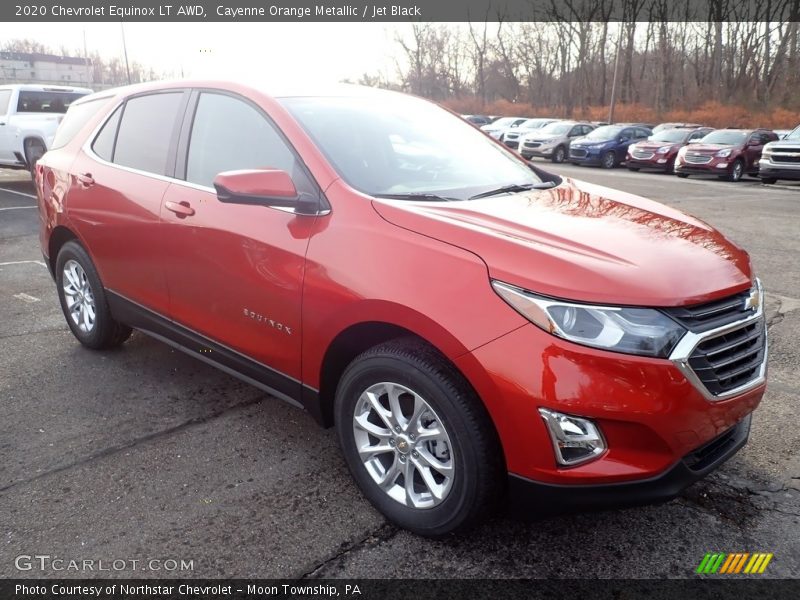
(77, 116)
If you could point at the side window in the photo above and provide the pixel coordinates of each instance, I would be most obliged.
(229, 134)
(145, 132)
(641, 133)
(756, 137)
(766, 138)
(627, 133)
(697, 135)
(575, 131)
(587, 130)
(77, 116)
(103, 144)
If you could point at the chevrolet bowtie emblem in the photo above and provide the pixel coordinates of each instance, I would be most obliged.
(753, 301)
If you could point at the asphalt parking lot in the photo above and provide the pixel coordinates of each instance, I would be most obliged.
(145, 453)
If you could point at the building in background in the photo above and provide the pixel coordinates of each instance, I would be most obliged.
(35, 67)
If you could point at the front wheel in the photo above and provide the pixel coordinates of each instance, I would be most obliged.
(416, 439)
(609, 160)
(83, 300)
(736, 171)
(559, 155)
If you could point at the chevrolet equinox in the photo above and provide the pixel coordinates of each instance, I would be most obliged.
(475, 328)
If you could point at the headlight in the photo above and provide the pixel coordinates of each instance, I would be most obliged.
(642, 331)
(663, 149)
(723, 153)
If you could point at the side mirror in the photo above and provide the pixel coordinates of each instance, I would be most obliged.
(261, 187)
(622, 140)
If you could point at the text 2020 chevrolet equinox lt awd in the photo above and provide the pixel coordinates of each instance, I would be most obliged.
(474, 328)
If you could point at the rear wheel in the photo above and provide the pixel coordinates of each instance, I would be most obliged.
(83, 300)
(559, 155)
(34, 150)
(417, 439)
(609, 160)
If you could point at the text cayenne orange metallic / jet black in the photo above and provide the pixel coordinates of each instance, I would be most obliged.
(474, 327)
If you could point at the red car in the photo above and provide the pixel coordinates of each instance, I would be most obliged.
(475, 328)
(660, 149)
(726, 153)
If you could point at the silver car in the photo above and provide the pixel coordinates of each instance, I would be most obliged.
(498, 128)
(512, 137)
(552, 141)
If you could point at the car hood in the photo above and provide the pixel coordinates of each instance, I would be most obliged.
(709, 147)
(585, 242)
(539, 137)
(588, 142)
(654, 145)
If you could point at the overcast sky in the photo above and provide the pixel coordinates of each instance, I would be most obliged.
(323, 52)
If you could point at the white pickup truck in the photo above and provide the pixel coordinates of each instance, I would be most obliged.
(29, 116)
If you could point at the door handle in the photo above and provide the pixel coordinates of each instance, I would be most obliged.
(182, 209)
(85, 179)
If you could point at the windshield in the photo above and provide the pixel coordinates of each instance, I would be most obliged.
(729, 138)
(794, 134)
(404, 145)
(53, 102)
(534, 123)
(670, 135)
(604, 133)
(504, 122)
(557, 128)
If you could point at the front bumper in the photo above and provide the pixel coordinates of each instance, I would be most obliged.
(767, 170)
(511, 143)
(717, 166)
(534, 498)
(648, 164)
(591, 158)
(545, 152)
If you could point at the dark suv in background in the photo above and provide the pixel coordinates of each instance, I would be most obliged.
(726, 153)
(606, 146)
(660, 149)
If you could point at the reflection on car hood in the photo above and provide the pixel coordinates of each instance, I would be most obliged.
(708, 147)
(585, 242)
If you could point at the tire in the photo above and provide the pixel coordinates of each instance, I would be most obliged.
(34, 150)
(737, 170)
(559, 155)
(670, 168)
(682, 175)
(76, 272)
(424, 382)
(633, 169)
(577, 164)
(769, 180)
(609, 160)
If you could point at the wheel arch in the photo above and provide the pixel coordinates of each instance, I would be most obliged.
(31, 138)
(58, 237)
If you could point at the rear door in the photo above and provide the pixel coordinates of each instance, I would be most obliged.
(119, 180)
(235, 272)
(753, 152)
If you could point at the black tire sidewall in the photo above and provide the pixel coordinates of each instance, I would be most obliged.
(733, 176)
(604, 160)
(559, 152)
(102, 331)
(455, 508)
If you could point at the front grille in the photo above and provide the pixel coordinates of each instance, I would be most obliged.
(577, 152)
(532, 144)
(704, 317)
(728, 361)
(697, 159)
(786, 155)
(642, 154)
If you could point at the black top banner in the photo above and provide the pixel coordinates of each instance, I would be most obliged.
(399, 10)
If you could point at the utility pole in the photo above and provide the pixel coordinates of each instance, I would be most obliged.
(614, 79)
(86, 59)
(125, 50)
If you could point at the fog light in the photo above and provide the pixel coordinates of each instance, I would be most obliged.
(575, 440)
(722, 165)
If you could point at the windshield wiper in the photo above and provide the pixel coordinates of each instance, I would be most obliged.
(514, 188)
(416, 196)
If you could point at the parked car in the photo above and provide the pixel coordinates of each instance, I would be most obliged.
(497, 128)
(512, 136)
(660, 149)
(297, 241)
(781, 159)
(552, 141)
(726, 153)
(662, 126)
(29, 116)
(606, 146)
(477, 120)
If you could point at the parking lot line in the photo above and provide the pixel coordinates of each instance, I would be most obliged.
(22, 262)
(16, 207)
(17, 193)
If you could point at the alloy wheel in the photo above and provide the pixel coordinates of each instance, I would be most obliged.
(79, 296)
(403, 445)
